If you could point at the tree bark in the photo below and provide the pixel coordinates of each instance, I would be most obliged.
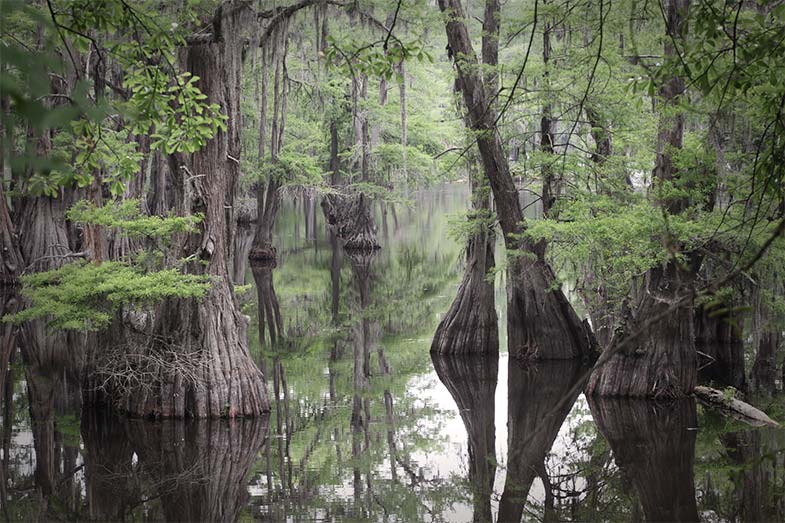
(470, 326)
(11, 262)
(550, 186)
(471, 323)
(539, 318)
(664, 363)
(197, 362)
(350, 218)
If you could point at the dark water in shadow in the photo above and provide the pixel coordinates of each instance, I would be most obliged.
(366, 426)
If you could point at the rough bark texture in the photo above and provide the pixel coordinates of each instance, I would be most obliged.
(197, 362)
(43, 237)
(268, 203)
(662, 362)
(471, 323)
(11, 262)
(541, 320)
(470, 326)
(349, 216)
(472, 384)
(654, 446)
(550, 186)
(536, 410)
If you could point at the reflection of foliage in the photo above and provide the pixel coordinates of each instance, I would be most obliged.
(407, 282)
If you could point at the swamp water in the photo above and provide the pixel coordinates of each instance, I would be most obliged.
(366, 426)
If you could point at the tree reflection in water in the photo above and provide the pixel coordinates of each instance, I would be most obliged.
(362, 428)
(169, 470)
(537, 407)
(654, 447)
(472, 384)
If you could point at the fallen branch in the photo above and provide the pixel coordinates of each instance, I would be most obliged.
(733, 407)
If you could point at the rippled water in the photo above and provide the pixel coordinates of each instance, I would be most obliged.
(366, 426)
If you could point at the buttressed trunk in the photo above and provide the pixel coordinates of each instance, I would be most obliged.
(350, 218)
(663, 362)
(471, 323)
(539, 317)
(198, 357)
(470, 326)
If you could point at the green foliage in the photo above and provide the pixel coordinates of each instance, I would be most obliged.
(293, 169)
(464, 226)
(86, 296)
(94, 132)
(126, 216)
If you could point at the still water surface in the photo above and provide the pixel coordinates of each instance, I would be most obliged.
(366, 426)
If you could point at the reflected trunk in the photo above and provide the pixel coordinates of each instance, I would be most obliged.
(53, 376)
(243, 241)
(538, 405)
(173, 470)
(472, 384)
(269, 311)
(654, 446)
(757, 485)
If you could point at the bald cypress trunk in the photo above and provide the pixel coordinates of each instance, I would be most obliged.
(539, 318)
(663, 362)
(197, 362)
(471, 323)
(11, 262)
(470, 326)
(350, 218)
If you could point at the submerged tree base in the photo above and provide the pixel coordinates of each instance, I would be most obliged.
(541, 323)
(470, 326)
(351, 220)
(662, 364)
(195, 364)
